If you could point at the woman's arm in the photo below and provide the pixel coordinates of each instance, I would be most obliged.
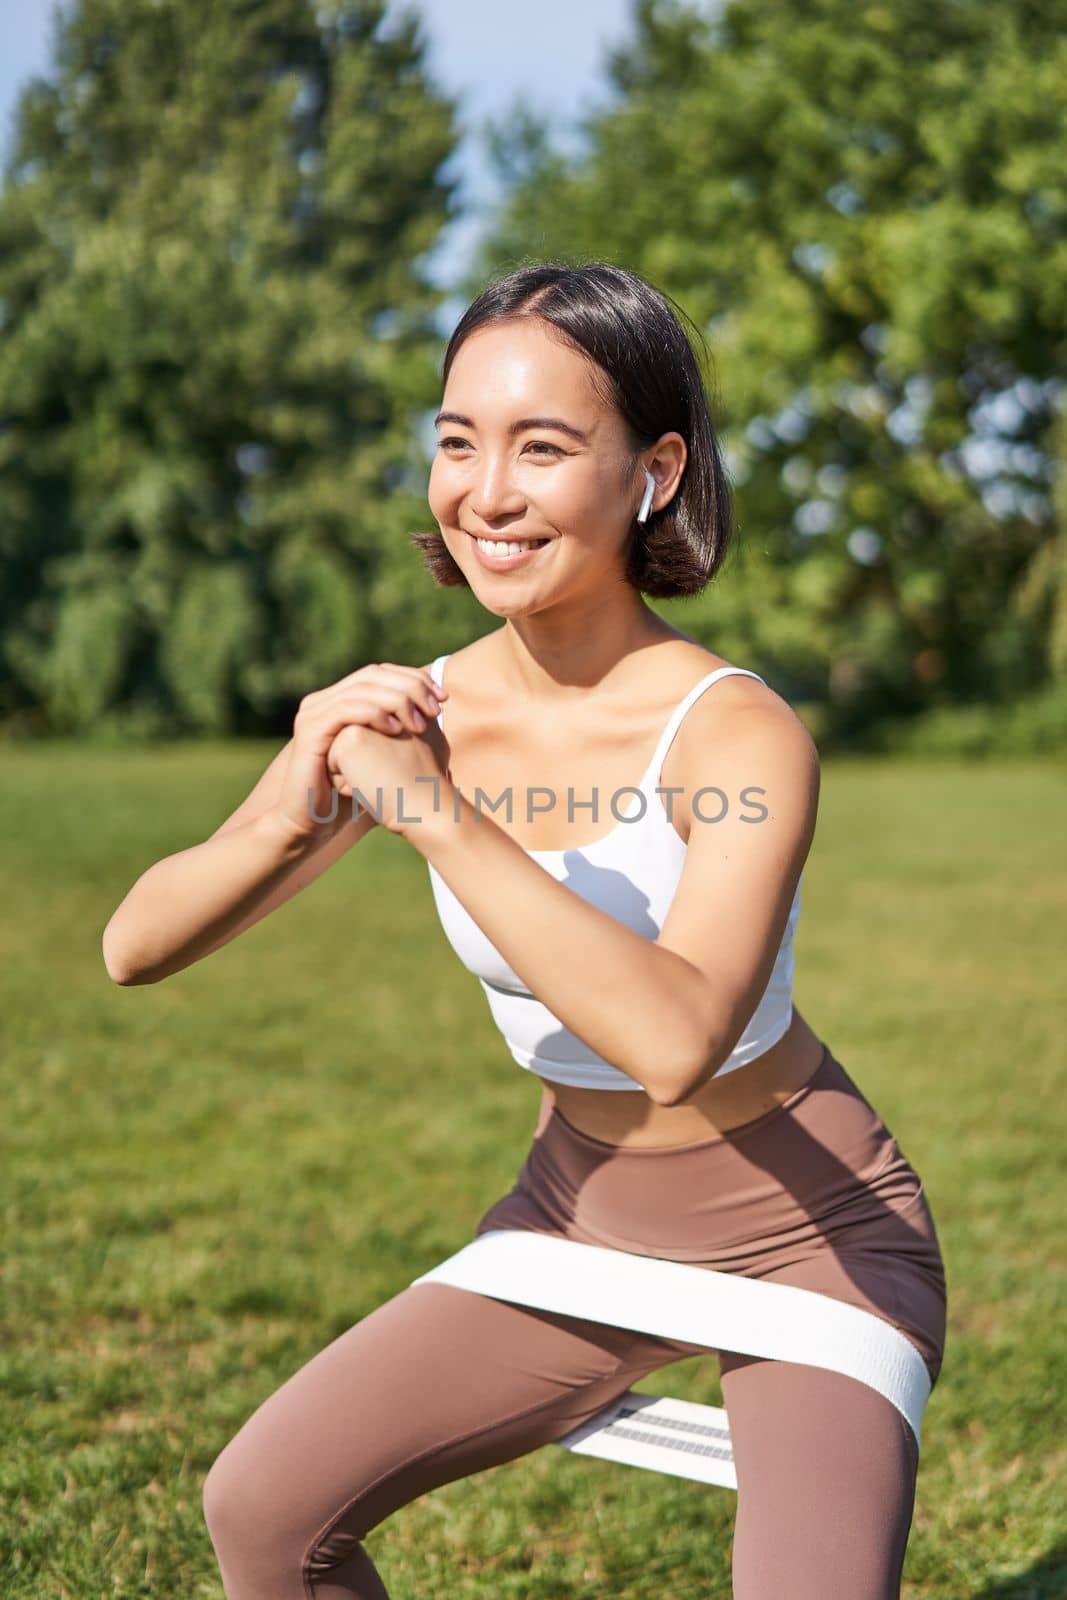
(191, 903)
(272, 845)
(661, 1012)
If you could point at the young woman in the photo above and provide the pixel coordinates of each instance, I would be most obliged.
(625, 883)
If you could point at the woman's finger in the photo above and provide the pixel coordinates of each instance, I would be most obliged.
(373, 707)
(386, 710)
(418, 680)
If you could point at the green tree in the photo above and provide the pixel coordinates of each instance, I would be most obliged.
(215, 335)
(863, 207)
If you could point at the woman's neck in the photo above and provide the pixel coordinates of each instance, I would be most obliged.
(551, 664)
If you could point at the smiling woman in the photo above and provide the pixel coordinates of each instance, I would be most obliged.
(604, 346)
(640, 968)
(506, 497)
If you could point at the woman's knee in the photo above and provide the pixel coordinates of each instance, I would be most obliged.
(255, 1507)
(230, 1495)
(267, 1525)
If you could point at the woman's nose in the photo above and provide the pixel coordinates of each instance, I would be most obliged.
(494, 495)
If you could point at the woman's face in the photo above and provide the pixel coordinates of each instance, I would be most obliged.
(508, 468)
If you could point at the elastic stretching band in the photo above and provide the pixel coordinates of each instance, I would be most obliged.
(674, 1300)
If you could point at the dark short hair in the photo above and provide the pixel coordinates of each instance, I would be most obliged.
(648, 371)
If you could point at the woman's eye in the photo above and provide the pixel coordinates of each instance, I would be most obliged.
(535, 444)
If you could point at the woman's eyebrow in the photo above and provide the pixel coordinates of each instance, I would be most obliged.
(520, 425)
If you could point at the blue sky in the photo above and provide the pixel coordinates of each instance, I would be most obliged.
(551, 54)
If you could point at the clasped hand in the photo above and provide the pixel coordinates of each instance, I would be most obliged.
(409, 769)
(376, 728)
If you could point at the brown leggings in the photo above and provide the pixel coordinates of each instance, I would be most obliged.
(439, 1382)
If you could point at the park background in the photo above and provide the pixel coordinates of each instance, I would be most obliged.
(234, 238)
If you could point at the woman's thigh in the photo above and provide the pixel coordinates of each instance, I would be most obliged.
(433, 1385)
(826, 1471)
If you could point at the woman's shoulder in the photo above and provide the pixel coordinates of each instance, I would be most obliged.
(737, 712)
(744, 719)
(737, 686)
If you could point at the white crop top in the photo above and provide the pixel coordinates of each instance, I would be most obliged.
(632, 874)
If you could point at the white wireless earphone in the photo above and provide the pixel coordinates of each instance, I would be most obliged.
(646, 502)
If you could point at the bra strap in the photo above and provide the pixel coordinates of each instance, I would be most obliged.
(436, 671)
(652, 776)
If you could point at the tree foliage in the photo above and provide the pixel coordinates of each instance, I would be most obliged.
(215, 337)
(218, 339)
(863, 205)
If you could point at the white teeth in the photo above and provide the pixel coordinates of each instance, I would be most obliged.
(501, 547)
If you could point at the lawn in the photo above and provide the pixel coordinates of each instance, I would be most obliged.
(206, 1180)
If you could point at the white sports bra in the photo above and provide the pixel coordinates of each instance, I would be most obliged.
(632, 874)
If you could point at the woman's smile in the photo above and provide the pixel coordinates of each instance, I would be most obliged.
(503, 555)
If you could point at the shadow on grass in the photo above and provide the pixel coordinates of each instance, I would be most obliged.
(1046, 1580)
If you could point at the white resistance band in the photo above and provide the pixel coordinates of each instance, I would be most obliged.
(673, 1300)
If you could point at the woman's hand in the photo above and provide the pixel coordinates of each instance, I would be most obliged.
(381, 697)
(409, 770)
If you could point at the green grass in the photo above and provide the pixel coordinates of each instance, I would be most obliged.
(206, 1180)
